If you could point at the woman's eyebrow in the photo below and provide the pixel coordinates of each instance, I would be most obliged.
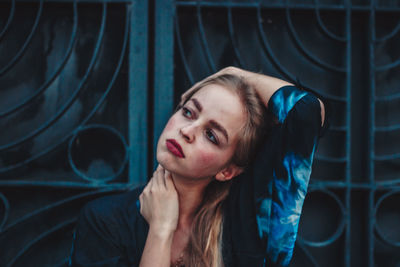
(197, 104)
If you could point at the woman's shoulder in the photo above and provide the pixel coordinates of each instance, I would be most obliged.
(114, 206)
(108, 227)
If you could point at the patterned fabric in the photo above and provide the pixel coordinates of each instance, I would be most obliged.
(279, 200)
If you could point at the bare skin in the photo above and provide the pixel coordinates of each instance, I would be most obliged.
(169, 201)
(168, 205)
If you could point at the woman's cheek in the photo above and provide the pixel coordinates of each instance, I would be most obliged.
(206, 158)
(170, 124)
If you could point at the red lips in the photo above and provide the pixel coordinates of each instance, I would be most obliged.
(175, 148)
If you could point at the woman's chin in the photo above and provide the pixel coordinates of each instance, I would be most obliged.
(164, 160)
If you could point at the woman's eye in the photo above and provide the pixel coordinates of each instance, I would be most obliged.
(186, 112)
(211, 137)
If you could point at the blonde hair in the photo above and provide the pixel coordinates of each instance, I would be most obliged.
(205, 243)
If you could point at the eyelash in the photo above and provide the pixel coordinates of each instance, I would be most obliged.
(213, 136)
(191, 116)
(184, 110)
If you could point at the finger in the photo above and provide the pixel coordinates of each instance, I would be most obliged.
(157, 178)
(141, 203)
(160, 178)
(147, 187)
(159, 167)
(169, 182)
(150, 184)
(166, 174)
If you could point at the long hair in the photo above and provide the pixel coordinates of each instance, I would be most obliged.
(205, 242)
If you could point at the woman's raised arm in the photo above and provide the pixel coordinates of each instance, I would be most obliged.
(265, 85)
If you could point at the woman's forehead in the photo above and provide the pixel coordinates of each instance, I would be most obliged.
(222, 105)
(215, 93)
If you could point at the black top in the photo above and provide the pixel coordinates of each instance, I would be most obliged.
(261, 212)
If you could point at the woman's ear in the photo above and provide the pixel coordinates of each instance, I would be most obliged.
(228, 173)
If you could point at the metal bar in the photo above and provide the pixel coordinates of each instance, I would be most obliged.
(163, 67)
(388, 128)
(6, 211)
(387, 97)
(347, 247)
(332, 159)
(386, 157)
(389, 182)
(371, 145)
(138, 93)
(338, 128)
(188, 72)
(232, 37)
(204, 43)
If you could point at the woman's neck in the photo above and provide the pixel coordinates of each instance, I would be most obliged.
(190, 195)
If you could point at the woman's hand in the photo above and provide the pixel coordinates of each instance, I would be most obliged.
(159, 203)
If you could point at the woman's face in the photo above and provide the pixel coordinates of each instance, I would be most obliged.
(200, 139)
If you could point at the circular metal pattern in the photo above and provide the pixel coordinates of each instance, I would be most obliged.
(4, 210)
(98, 153)
(387, 218)
(322, 220)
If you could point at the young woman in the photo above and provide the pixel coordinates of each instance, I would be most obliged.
(194, 212)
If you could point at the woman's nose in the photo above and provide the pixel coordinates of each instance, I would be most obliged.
(188, 132)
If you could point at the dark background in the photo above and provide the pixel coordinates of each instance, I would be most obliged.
(86, 88)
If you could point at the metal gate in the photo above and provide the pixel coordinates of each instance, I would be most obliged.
(86, 88)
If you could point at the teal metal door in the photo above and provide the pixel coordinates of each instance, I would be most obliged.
(73, 113)
(86, 88)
